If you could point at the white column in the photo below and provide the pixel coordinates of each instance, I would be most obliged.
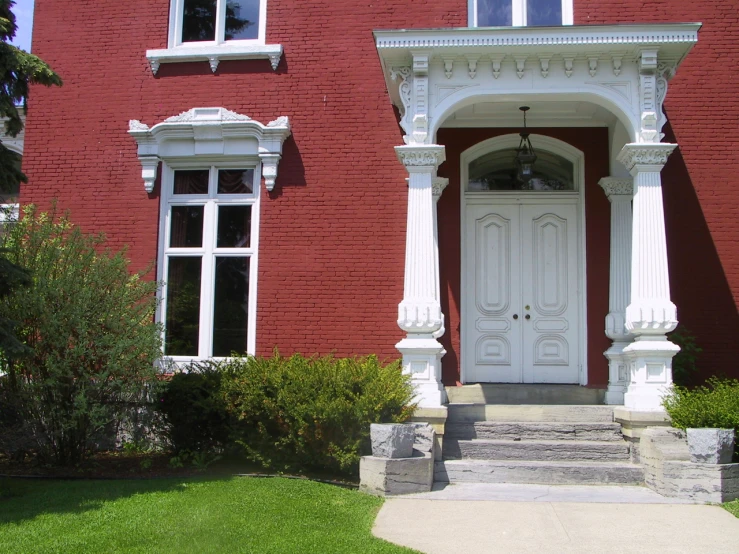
(650, 313)
(419, 313)
(619, 193)
(438, 184)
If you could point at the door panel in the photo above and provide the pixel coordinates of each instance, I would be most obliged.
(521, 298)
(493, 340)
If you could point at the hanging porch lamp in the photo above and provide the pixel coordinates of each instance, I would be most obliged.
(525, 156)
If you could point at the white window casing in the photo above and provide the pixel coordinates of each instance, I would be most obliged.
(209, 139)
(216, 50)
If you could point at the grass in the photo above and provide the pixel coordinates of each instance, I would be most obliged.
(732, 507)
(237, 514)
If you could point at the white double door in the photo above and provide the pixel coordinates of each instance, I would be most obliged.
(521, 297)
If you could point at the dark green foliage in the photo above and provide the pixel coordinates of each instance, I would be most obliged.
(714, 405)
(89, 326)
(685, 362)
(18, 70)
(300, 412)
(194, 410)
(12, 277)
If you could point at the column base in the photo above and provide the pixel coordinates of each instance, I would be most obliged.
(617, 373)
(650, 367)
(422, 360)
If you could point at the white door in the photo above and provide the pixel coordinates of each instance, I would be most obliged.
(521, 299)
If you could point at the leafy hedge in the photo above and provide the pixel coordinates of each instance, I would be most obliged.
(715, 404)
(287, 413)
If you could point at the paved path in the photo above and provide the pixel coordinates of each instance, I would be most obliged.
(514, 519)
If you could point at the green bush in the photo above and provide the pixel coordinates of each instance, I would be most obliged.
(714, 405)
(685, 362)
(194, 409)
(91, 340)
(300, 412)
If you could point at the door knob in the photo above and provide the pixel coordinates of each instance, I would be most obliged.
(528, 316)
(515, 316)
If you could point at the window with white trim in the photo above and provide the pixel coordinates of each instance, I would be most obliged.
(209, 254)
(520, 13)
(217, 21)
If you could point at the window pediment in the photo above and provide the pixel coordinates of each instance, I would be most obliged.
(209, 134)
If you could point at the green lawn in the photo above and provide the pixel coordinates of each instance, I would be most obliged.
(238, 514)
(732, 507)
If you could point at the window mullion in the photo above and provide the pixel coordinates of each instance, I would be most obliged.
(221, 21)
(208, 280)
(518, 14)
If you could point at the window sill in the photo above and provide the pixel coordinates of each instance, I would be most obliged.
(214, 54)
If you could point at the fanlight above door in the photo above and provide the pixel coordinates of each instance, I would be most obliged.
(496, 172)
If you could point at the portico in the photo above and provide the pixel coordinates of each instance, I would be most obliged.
(528, 321)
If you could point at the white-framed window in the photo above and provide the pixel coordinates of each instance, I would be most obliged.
(520, 13)
(194, 22)
(208, 258)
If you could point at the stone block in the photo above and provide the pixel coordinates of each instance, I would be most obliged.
(424, 437)
(392, 440)
(392, 476)
(711, 446)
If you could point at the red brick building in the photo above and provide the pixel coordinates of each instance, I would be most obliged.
(283, 164)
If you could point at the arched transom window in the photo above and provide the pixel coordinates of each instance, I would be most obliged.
(496, 171)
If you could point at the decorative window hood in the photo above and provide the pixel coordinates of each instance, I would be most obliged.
(428, 72)
(214, 54)
(210, 135)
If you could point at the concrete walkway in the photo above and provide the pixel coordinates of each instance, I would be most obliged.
(511, 519)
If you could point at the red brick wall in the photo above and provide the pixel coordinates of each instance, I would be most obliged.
(593, 142)
(701, 177)
(332, 236)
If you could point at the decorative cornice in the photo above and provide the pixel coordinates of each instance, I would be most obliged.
(565, 36)
(613, 186)
(214, 54)
(207, 132)
(429, 155)
(636, 154)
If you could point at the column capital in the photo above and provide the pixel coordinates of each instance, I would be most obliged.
(617, 188)
(438, 184)
(421, 156)
(635, 156)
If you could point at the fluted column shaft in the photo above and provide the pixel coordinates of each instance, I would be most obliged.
(650, 313)
(419, 313)
(619, 193)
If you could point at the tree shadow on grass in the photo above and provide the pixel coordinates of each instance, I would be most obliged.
(25, 499)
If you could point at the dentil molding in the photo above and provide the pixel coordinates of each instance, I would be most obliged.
(210, 134)
(654, 154)
(614, 186)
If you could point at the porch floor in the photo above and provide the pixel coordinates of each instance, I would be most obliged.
(541, 394)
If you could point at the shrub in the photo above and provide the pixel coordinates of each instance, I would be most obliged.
(300, 412)
(194, 409)
(89, 326)
(714, 405)
(685, 362)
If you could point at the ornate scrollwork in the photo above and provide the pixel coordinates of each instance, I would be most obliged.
(645, 154)
(421, 156)
(614, 186)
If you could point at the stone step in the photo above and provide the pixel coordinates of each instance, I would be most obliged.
(466, 413)
(532, 472)
(482, 449)
(517, 431)
(490, 393)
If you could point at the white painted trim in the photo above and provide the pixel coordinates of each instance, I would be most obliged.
(213, 51)
(543, 143)
(209, 251)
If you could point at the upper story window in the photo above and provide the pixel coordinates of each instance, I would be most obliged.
(217, 21)
(520, 13)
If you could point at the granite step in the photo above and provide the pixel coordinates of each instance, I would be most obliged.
(519, 431)
(539, 450)
(467, 413)
(538, 472)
